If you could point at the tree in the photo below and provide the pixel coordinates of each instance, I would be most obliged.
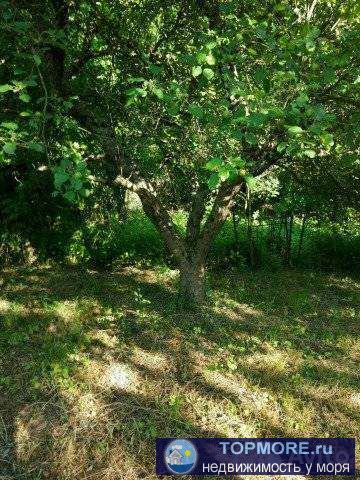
(209, 97)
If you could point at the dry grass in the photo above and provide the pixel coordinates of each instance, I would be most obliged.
(95, 366)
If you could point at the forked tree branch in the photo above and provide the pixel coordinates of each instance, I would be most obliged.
(196, 216)
(224, 202)
(159, 215)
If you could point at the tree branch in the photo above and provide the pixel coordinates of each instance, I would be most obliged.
(196, 215)
(224, 202)
(158, 214)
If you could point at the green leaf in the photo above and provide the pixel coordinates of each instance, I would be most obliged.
(260, 74)
(210, 59)
(196, 111)
(294, 129)
(60, 177)
(172, 109)
(310, 45)
(25, 114)
(5, 88)
(130, 101)
(213, 164)
(213, 181)
(10, 125)
(37, 60)
(136, 92)
(196, 71)
(9, 148)
(238, 162)
(65, 163)
(224, 172)
(250, 180)
(84, 192)
(70, 195)
(211, 45)
(159, 93)
(327, 139)
(25, 97)
(76, 184)
(136, 80)
(37, 147)
(155, 69)
(201, 57)
(238, 135)
(31, 83)
(208, 73)
(302, 99)
(310, 153)
(256, 119)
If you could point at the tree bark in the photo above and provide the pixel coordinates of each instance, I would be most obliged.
(192, 283)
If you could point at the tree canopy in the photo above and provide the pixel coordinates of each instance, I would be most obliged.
(186, 103)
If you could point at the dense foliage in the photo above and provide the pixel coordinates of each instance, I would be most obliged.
(205, 107)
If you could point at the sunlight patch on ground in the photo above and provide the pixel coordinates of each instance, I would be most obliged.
(120, 376)
(230, 385)
(348, 371)
(150, 276)
(250, 398)
(123, 379)
(153, 361)
(88, 408)
(275, 362)
(12, 308)
(220, 416)
(344, 282)
(335, 395)
(355, 399)
(119, 466)
(236, 311)
(298, 417)
(70, 457)
(66, 310)
(107, 374)
(107, 339)
(351, 346)
(5, 306)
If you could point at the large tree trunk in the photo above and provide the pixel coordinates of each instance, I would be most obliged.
(192, 284)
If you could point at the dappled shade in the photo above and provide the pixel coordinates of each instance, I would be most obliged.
(96, 365)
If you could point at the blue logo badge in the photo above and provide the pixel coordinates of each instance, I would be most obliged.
(180, 456)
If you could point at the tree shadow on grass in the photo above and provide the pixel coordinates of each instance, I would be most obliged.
(81, 428)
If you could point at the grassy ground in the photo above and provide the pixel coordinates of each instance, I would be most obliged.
(94, 366)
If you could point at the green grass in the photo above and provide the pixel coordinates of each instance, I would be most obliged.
(94, 366)
(133, 240)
